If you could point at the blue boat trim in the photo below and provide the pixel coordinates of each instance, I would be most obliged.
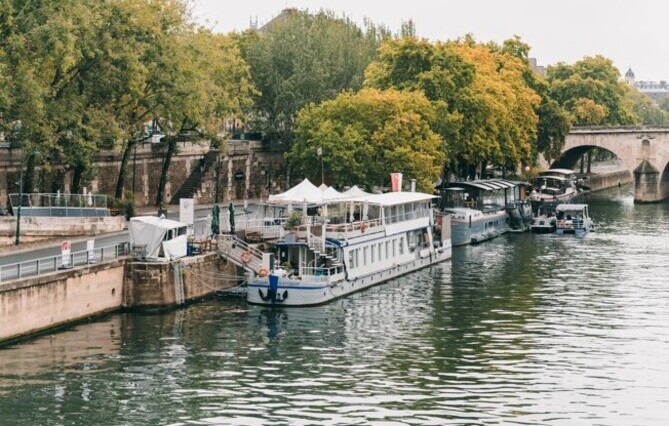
(294, 287)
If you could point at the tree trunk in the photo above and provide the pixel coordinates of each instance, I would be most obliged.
(589, 161)
(29, 176)
(76, 178)
(484, 169)
(582, 163)
(120, 181)
(171, 148)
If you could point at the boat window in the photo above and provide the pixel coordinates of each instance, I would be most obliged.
(371, 254)
(351, 258)
(379, 251)
(364, 255)
(387, 247)
(394, 245)
(357, 258)
(401, 246)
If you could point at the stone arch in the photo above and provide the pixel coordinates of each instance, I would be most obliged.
(664, 181)
(571, 155)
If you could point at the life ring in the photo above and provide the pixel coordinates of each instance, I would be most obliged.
(363, 227)
(263, 272)
(246, 257)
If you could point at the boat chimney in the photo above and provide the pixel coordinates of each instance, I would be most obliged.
(396, 182)
(413, 185)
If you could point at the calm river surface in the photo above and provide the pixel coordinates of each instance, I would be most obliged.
(525, 329)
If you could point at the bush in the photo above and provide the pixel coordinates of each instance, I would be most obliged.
(125, 206)
(293, 220)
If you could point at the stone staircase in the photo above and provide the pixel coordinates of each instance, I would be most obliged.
(240, 253)
(192, 187)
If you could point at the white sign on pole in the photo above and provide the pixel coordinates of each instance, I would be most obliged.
(65, 248)
(90, 251)
(187, 211)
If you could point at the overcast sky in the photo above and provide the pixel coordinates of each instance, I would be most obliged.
(631, 33)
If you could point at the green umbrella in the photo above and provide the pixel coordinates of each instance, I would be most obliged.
(231, 209)
(215, 229)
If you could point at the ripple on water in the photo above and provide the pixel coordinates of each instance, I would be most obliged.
(523, 329)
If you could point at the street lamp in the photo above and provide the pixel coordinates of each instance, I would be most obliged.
(18, 212)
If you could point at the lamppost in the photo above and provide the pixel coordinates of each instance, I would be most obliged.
(18, 211)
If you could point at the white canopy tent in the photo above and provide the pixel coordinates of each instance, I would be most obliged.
(162, 238)
(355, 192)
(306, 192)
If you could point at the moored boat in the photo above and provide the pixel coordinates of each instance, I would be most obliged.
(553, 187)
(479, 209)
(573, 219)
(351, 243)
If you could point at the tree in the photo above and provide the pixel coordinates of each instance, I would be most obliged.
(366, 135)
(485, 109)
(81, 75)
(301, 58)
(591, 91)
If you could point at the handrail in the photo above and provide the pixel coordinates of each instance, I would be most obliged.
(35, 267)
(229, 238)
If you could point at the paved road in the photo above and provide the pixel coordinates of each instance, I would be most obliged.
(100, 241)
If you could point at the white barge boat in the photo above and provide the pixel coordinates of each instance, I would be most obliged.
(356, 241)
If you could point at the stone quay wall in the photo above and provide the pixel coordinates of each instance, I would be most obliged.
(152, 285)
(45, 228)
(34, 304)
(242, 170)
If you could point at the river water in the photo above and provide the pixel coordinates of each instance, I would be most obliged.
(524, 329)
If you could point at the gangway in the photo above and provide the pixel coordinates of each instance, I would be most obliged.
(240, 253)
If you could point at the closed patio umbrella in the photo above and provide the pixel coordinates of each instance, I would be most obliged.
(231, 209)
(215, 228)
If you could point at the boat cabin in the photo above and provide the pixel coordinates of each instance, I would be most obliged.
(484, 195)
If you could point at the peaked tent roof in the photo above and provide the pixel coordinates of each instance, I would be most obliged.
(355, 192)
(306, 191)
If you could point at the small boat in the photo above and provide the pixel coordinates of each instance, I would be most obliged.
(543, 224)
(572, 219)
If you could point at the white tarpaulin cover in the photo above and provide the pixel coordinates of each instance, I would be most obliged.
(156, 233)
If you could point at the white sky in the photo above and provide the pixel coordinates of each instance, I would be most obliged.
(631, 33)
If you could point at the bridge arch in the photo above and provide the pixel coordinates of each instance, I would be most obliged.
(643, 151)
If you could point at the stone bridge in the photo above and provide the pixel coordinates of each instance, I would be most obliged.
(643, 150)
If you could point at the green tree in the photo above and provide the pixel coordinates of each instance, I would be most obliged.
(366, 135)
(301, 58)
(591, 91)
(484, 107)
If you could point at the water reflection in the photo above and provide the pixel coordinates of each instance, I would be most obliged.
(522, 329)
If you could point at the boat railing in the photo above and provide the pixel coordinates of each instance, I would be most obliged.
(571, 223)
(346, 230)
(322, 271)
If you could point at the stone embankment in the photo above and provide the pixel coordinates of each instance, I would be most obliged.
(35, 229)
(35, 304)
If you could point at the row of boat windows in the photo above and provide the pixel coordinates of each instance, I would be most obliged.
(408, 211)
(491, 224)
(375, 252)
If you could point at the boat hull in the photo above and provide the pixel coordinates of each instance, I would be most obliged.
(478, 229)
(290, 294)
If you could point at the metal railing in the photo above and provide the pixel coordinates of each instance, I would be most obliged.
(322, 271)
(45, 265)
(60, 205)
